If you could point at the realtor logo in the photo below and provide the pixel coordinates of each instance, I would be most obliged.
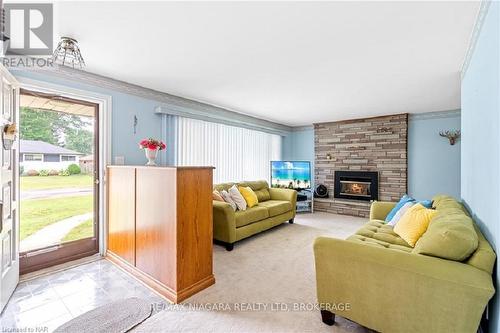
(29, 27)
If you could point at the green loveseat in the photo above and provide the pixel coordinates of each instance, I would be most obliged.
(377, 280)
(275, 207)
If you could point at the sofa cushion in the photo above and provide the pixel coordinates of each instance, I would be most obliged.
(445, 203)
(260, 187)
(378, 243)
(251, 215)
(378, 232)
(414, 223)
(449, 236)
(276, 207)
(223, 186)
(484, 256)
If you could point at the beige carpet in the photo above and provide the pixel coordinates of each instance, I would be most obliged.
(273, 269)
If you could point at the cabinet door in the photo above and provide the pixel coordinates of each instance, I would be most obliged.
(121, 213)
(156, 224)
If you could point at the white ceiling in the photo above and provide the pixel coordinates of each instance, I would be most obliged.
(293, 63)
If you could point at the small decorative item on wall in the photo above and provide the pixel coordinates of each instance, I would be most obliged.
(151, 148)
(384, 130)
(452, 135)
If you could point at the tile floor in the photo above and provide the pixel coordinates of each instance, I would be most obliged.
(46, 302)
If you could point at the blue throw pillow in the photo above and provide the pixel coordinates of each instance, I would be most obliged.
(406, 198)
(398, 206)
(426, 203)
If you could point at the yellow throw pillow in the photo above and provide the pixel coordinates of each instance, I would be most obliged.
(249, 195)
(414, 223)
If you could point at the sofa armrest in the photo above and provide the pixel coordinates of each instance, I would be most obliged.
(390, 290)
(380, 209)
(224, 222)
(284, 194)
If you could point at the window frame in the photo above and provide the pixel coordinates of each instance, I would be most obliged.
(65, 155)
(33, 160)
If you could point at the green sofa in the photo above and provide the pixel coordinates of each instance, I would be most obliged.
(275, 207)
(377, 280)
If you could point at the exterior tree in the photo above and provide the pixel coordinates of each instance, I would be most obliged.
(59, 128)
(37, 125)
(80, 140)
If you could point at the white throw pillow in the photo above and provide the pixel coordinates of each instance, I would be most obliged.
(237, 198)
(395, 219)
(227, 198)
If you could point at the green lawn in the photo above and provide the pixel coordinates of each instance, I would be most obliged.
(39, 213)
(84, 230)
(52, 182)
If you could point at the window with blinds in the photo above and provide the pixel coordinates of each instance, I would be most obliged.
(236, 153)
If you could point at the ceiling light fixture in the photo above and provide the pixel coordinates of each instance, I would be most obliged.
(67, 53)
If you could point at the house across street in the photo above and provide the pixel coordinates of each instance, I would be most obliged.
(40, 155)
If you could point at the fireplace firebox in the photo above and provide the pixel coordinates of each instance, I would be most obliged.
(356, 185)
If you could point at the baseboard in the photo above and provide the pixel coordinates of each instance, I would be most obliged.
(165, 291)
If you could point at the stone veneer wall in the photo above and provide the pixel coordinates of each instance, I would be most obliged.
(371, 144)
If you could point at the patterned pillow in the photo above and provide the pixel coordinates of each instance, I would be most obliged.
(227, 198)
(237, 198)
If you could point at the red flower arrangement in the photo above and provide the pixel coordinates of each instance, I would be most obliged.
(152, 144)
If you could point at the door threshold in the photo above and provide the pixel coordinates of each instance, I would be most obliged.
(60, 267)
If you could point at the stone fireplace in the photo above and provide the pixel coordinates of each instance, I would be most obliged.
(353, 156)
(356, 185)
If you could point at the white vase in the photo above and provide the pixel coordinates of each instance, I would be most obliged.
(151, 155)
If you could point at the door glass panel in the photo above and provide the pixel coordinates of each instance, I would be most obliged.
(56, 160)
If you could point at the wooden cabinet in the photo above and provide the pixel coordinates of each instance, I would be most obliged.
(121, 208)
(160, 226)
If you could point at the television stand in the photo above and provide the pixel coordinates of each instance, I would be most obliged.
(305, 201)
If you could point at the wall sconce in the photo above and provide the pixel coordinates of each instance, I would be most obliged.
(328, 156)
(453, 135)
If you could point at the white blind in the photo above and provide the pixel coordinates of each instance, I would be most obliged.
(236, 153)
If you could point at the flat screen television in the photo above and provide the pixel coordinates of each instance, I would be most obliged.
(291, 174)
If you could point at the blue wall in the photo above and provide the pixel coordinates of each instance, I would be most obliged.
(123, 142)
(433, 164)
(481, 139)
(299, 146)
